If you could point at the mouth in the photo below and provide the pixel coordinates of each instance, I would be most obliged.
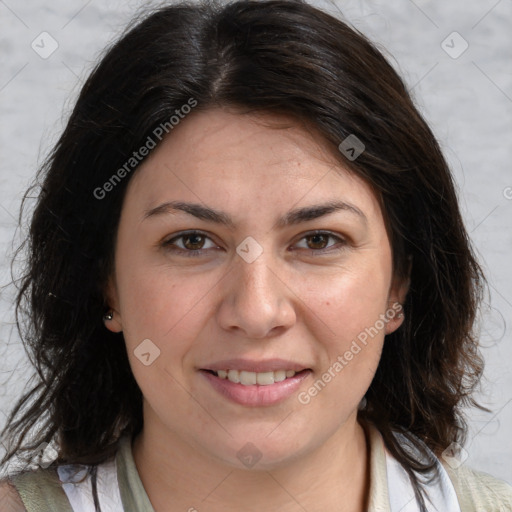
(256, 388)
(247, 378)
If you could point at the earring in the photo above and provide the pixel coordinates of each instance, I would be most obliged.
(108, 316)
(401, 314)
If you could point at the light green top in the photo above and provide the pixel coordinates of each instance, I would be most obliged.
(41, 490)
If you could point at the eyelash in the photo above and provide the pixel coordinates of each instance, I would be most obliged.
(168, 244)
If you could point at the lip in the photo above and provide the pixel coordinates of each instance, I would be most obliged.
(267, 365)
(256, 395)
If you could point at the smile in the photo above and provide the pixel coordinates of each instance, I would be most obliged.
(251, 378)
(255, 389)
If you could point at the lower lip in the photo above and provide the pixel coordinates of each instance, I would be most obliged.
(256, 395)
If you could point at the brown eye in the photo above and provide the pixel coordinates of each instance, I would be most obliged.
(321, 242)
(193, 241)
(317, 241)
(189, 244)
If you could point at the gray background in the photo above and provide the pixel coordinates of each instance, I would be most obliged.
(467, 100)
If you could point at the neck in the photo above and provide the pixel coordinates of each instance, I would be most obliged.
(335, 477)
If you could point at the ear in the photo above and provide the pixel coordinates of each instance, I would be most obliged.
(112, 299)
(396, 298)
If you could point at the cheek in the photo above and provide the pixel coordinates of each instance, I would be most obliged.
(345, 316)
(348, 301)
(167, 309)
(162, 305)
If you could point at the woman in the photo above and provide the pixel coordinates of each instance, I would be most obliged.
(249, 282)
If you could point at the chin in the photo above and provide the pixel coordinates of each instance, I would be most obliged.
(255, 453)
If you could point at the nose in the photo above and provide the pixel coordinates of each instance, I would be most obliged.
(256, 302)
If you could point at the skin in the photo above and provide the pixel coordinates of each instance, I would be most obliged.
(291, 303)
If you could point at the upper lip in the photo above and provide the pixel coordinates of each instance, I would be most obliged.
(248, 365)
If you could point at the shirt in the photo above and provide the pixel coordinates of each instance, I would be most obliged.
(121, 490)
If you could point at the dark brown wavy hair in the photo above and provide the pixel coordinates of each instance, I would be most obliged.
(274, 56)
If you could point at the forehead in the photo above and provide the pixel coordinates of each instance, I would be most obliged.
(221, 151)
(226, 136)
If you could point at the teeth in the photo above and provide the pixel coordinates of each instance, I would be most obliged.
(264, 379)
(252, 378)
(279, 376)
(233, 376)
(247, 378)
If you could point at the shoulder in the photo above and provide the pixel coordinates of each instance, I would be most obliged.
(10, 500)
(35, 490)
(477, 490)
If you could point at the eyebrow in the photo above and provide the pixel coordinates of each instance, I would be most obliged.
(291, 218)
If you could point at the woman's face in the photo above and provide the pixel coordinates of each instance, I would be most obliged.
(289, 269)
